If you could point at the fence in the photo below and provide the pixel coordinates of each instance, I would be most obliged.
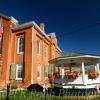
(51, 95)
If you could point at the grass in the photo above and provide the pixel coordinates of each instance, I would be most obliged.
(26, 95)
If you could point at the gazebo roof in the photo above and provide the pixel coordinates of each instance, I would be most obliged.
(73, 54)
(76, 58)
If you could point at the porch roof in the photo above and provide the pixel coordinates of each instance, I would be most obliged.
(77, 58)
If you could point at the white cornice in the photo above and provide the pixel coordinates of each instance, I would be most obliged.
(29, 24)
(13, 19)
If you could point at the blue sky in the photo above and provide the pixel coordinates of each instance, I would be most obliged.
(75, 22)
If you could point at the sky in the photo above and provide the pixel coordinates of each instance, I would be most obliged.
(76, 23)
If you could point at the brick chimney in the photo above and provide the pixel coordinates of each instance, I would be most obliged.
(42, 27)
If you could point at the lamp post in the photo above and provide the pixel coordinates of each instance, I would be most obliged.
(8, 90)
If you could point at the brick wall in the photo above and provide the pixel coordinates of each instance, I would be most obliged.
(29, 58)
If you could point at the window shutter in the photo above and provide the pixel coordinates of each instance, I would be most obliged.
(49, 70)
(12, 71)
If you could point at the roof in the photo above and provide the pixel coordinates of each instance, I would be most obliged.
(77, 54)
(29, 24)
(4, 16)
(71, 54)
(8, 18)
(74, 57)
(25, 25)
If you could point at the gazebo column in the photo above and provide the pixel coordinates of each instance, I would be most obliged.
(63, 71)
(83, 73)
(98, 70)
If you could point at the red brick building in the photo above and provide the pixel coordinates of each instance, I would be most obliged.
(25, 52)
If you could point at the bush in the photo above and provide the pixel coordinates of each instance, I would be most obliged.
(13, 86)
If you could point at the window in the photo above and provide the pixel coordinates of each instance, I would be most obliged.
(39, 71)
(46, 71)
(53, 53)
(19, 71)
(45, 51)
(20, 45)
(38, 47)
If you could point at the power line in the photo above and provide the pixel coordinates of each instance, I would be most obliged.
(79, 30)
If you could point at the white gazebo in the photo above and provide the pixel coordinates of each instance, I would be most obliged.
(77, 70)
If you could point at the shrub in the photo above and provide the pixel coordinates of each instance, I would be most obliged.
(13, 86)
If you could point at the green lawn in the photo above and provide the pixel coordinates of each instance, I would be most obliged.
(26, 95)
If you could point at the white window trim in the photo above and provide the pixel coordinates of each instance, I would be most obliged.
(40, 72)
(18, 47)
(19, 79)
(19, 53)
(38, 53)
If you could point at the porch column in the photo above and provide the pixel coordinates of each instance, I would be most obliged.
(98, 70)
(83, 73)
(62, 71)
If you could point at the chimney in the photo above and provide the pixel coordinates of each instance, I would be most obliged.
(42, 26)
